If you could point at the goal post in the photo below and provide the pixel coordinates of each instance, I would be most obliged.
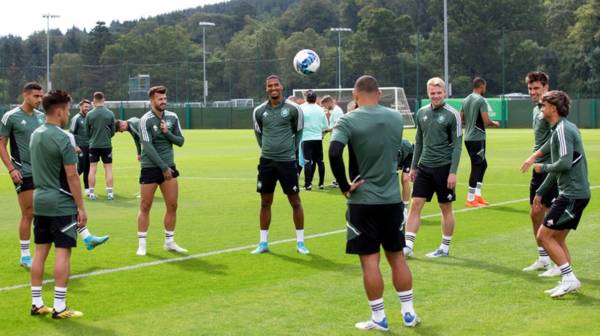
(392, 97)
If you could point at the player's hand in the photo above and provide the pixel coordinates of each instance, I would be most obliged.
(168, 174)
(163, 126)
(77, 149)
(537, 202)
(525, 166)
(537, 168)
(451, 181)
(139, 157)
(81, 217)
(412, 174)
(16, 176)
(495, 123)
(353, 187)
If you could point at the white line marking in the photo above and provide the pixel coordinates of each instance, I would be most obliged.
(233, 249)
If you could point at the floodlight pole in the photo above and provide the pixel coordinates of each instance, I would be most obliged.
(204, 24)
(446, 79)
(339, 30)
(48, 17)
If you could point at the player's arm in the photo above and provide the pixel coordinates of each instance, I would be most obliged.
(462, 117)
(418, 149)
(549, 182)
(257, 127)
(113, 125)
(456, 136)
(545, 149)
(138, 145)
(298, 126)
(148, 147)
(485, 116)
(69, 159)
(5, 130)
(175, 137)
(73, 125)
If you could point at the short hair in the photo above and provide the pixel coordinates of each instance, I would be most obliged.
(559, 99)
(311, 96)
(32, 86)
(326, 98)
(478, 82)
(157, 89)
(98, 95)
(54, 99)
(537, 76)
(84, 101)
(366, 84)
(436, 81)
(270, 77)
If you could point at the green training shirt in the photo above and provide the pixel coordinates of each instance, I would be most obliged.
(472, 107)
(100, 123)
(569, 165)
(278, 130)
(406, 149)
(52, 149)
(375, 133)
(134, 130)
(157, 147)
(541, 133)
(438, 141)
(78, 129)
(17, 126)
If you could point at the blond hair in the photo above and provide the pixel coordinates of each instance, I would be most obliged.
(436, 81)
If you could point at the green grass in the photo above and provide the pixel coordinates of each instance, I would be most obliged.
(479, 290)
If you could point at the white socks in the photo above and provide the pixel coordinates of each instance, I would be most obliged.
(142, 238)
(25, 248)
(169, 237)
(567, 272)
(264, 236)
(84, 232)
(543, 255)
(60, 298)
(300, 235)
(36, 296)
(377, 311)
(471, 194)
(406, 300)
(478, 189)
(410, 238)
(445, 246)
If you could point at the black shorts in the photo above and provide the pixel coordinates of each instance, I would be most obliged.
(60, 230)
(476, 150)
(536, 181)
(372, 226)
(26, 184)
(155, 175)
(101, 153)
(433, 180)
(83, 157)
(565, 213)
(270, 171)
(404, 166)
(312, 150)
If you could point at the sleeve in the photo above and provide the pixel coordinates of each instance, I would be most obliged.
(176, 137)
(298, 125)
(483, 105)
(113, 125)
(148, 147)
(565, 151)
(336, 161)
(257, 126)
(456, 135)
(73, 125)
(341, 131)
(418, 149)
(324, 122)
(549, 182)
(5, 126)
(545, 148)
(136, 140)
(67, 150)
(88, 124)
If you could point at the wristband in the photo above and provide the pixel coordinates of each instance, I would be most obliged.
(12, 170)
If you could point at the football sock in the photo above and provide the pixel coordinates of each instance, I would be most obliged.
(84, 232)
(410, 238)
(471, 194)
(378, 314)
(300, 235)
(567, 272)
(445, 246)
(142, 238)
(406, 301)
(25, 248)
(169, 236)
(36, 296)
(543, 254)
(60, 298)
(91, 190)
(264, 236)
(109, 190)
(478, 189)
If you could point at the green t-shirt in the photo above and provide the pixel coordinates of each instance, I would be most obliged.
(375, 134)
(134, 130)
(541, 133)
(569, 165)
(100, 123)
(438, 141)
(278, 130)
(157, 147)
(472, 107)
(52, 149)
(78, 129)
(17, 126)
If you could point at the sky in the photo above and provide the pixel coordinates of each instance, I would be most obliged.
(23, 17)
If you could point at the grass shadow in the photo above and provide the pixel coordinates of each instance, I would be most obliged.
(312, 260)
(76, 328)
(192, 264)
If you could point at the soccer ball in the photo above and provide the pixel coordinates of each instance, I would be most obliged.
(306, 62)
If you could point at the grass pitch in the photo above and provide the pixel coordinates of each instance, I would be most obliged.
(223, 290)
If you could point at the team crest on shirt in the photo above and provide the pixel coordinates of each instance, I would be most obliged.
(259, 185)
(169, 123)
(40, 120)
(265, 114)
(285, 112)
(425, 118)
(155, 128)
(23, 122)
(440, 119)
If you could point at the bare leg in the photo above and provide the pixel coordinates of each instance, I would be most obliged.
(266, 200)
(170, 190)
(108, 175)
(37, 266)
(401, 275)
(447, 219)
(414, 216)
(372, 279)
(298, 212)
(26, 204)
(553, 241)
(147, 197)
(92, 174)
(62, 266)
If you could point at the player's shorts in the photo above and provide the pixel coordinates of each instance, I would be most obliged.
(101, 153)
(476, 150)
(271, 171)
(565, 213)
(404, 166)
(312, 150)
(370, 227)
(60, 230)
(26, 184)
(536, 181)
(155, 175)
(430, 180)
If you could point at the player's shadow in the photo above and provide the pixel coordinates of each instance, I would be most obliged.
(123, 202)
(312, 260)
(192, 264)
(505, 209)
(77, 328)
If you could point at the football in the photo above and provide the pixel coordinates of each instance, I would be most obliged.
(306, 62)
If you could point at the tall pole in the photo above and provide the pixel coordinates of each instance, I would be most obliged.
(48, 17)
(446, 79)
(339, 30)
(204, 24)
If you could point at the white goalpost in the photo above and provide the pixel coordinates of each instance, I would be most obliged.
(392, 97)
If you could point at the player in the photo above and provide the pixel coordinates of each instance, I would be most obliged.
(78, 129)
(315, 123)
(278, 127)
(405, 156)
(537, 86)
(568, 170)
(474, 114)
(100, 124)
(332, 111)
(374, 215)
(16, 128)
(434, 165)
(132, 125)
(57, 203)
(159, 130)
